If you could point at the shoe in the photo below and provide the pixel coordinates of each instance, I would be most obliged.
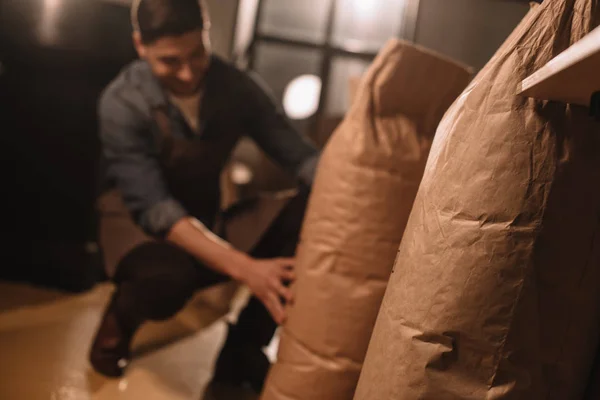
(110, 353)
(223, 391)
(241, 363)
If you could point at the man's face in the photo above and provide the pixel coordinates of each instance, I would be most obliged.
(179, 62)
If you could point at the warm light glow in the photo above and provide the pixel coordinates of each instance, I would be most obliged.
(48, 30)
(301, 96)
(272, 349)
(123, 385)
(51, 4)
(241, 174)
(365, 6)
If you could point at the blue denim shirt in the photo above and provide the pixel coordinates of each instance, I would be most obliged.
(128, 136)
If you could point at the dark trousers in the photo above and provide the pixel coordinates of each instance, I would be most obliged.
(156, 279)
(593, 390)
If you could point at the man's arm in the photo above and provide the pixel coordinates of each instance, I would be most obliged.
(271, 130)
(133, 163)
(264, 277)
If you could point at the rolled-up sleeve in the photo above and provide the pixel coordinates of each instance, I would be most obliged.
(271, 130)
(132, 162)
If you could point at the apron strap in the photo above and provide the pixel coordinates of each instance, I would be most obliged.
(162, 120)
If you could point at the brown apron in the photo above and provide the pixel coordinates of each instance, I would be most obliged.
(193, 170)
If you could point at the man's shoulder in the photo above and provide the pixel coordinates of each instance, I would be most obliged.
(227, 72)
(128, 93)
(242, 85)
(223, 67)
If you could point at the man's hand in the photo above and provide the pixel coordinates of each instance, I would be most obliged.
(267, 279)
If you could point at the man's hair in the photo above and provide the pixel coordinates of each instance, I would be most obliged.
(154, 19)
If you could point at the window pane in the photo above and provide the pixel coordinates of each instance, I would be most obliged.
(344, 75)
(365, 25)
(344, 70)
(295, 19)
(278, 65)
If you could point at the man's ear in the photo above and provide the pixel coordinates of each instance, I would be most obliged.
(139, 45)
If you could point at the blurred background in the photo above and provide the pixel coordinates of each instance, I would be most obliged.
(57, 55)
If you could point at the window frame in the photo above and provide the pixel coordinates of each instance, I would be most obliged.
(327, 49)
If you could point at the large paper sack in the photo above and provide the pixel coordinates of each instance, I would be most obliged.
(365, 187)
(496, 290)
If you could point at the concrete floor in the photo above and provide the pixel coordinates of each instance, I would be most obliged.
(45, 338)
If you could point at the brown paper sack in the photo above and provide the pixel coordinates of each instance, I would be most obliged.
(496, 290)
(365, 187)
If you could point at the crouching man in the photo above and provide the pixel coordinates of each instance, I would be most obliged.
(168, 124)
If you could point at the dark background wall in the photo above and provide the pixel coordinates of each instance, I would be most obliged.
(57, 55)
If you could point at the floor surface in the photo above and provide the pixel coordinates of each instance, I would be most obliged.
(45, 338)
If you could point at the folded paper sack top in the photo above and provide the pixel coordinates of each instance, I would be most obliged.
(365, 187)
(496, 290)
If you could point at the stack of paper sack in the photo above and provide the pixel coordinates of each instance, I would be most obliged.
(366, 183)
(496, 289)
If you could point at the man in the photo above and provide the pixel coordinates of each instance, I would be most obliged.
(168, 124)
